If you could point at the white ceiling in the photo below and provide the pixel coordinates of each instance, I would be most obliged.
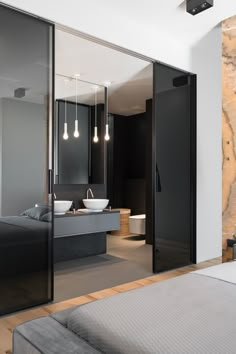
(170, 17)
(130, 77)
(165, 18)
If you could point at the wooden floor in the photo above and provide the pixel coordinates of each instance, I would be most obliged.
(7, 324)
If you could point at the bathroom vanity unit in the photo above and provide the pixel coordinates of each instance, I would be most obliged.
(82, 235)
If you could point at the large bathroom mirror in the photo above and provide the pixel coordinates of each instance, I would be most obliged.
(79, 131)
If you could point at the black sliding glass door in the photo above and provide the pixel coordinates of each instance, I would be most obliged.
(26, 54)
(174, 168)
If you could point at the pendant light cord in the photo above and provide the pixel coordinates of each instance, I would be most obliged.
(76, 98)
(107, 114)
(65, 104)
(95, 107)
(65, 112)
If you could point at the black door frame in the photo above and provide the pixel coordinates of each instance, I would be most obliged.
(193, 170)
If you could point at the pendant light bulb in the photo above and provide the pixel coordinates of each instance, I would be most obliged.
(65, 134)
(107, 136)
(76, 132)
(95, 138)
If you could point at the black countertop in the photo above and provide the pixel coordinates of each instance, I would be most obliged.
(80, 213)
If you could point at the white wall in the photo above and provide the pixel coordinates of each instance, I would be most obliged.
(203, 59)
(206, 62)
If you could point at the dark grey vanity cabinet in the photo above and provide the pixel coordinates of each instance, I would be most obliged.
(83, 235)
(72, 225)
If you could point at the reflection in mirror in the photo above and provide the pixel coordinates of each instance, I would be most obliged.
(79, 131)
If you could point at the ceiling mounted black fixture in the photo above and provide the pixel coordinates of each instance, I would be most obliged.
(20, 92)
(194, 7)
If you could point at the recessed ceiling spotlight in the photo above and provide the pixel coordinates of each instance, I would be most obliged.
(77, 75)
(194, 7)
(107, 83)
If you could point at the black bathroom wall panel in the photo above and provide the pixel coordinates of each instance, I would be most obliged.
(94, 178)
(126, 162)
(135, 196)
(150, 197)
(97, 154)
(117, 161)
(110, 163)
(73, 154)
(136, 146)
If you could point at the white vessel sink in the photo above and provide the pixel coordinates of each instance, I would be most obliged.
(61, 206)
(95, 204)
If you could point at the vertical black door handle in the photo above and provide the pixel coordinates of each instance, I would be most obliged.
(50, 181)
(158, 180)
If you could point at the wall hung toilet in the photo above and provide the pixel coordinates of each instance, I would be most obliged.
(137, 224)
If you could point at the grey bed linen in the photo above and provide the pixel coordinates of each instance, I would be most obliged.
(190, 314)
(22, 234)
(47, 336)
(24, 222)
(13, 228)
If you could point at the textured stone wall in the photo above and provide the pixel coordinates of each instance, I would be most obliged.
(229, 132)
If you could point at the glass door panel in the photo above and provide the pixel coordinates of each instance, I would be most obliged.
(25, 158)
(174, 168)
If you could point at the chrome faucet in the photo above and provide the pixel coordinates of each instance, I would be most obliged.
(89, 190)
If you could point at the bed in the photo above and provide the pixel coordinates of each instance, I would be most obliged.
(24, 262)
(16, 225)
(191, 314)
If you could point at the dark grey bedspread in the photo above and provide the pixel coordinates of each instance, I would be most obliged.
(23, 244)
(16, 226)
